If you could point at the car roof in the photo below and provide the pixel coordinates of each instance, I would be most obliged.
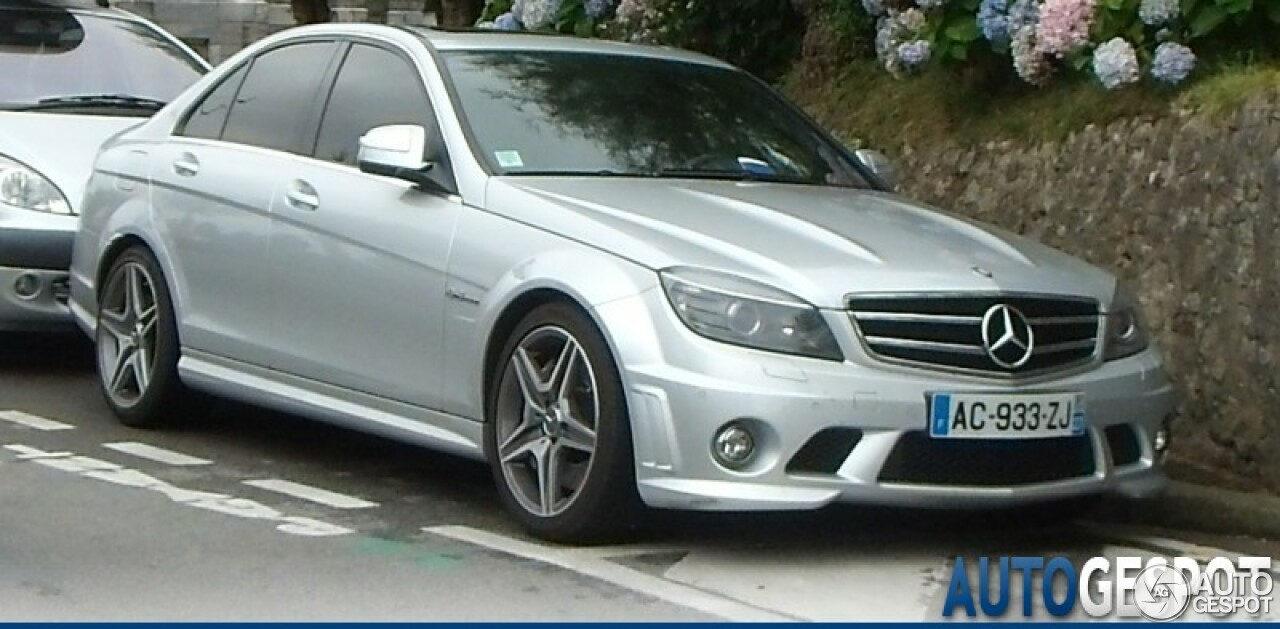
(490, 39)
(92, 7)
(481, 39)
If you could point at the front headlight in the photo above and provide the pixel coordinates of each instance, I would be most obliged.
(743, 312)
(1126, 332)
(24, 188)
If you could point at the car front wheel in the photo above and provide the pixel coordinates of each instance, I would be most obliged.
(558, 435)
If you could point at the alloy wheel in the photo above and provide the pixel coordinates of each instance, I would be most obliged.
(547, 417)
(127, 333)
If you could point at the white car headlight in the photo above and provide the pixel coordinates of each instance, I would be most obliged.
(24, 188)
(1126, 332)
(743, 312)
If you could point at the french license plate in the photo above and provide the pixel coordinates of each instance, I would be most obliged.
(1002, 416)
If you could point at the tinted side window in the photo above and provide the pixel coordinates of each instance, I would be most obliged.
(375, 87)
(207, 118)
(275, 102)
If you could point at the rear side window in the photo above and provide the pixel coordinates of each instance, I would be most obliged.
(375, 87)
(274, 104)
(207, 118)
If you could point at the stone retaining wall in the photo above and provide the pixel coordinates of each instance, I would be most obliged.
(1186, 209)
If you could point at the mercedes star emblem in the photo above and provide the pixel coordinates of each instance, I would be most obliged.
(1007, 336)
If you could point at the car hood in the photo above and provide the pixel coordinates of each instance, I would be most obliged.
(820, 243)
(61, 147)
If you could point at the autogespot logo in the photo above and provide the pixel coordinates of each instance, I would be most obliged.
(1162, 592)
(1159, 589)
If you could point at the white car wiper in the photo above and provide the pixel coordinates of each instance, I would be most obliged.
(123, 101)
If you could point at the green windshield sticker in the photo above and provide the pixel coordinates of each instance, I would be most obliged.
(509, 159)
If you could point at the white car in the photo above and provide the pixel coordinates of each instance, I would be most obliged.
(70, 77)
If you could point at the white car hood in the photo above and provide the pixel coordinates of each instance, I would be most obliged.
(820, 243)
(61, 147)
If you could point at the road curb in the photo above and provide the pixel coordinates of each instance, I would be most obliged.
(1200, 508)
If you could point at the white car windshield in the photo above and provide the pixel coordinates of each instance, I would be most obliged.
(51, 56)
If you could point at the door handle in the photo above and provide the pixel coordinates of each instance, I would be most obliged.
(186, 165)
(302, 196)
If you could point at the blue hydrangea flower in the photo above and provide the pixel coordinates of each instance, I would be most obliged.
(506, 22)
(1023, 14)
(597, 8)
(874, 8)
(1173, 63)
(994, 21)
(914, 54)
(1158, 12)
(1116, 64)
(929, 5)
(536, 14)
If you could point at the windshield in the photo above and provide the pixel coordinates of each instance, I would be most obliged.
(48, 53)
(536, 112)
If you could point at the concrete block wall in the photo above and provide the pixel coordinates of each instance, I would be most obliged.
(218, 29)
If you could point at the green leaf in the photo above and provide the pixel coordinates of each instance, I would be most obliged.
(959, 52)
(1207, 19)
(1188, 6)
(1236, 6)
(1273, 11)
(963, 30)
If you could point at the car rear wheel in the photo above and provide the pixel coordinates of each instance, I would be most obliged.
(137, 342)
(558, 435)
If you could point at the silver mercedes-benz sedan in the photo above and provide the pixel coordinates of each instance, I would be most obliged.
(72, 74)
(623, 276)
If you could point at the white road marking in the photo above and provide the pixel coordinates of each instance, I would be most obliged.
(314, 494)
(33, 421)
(27, 453)
(161, 455)
(107, 471)
(615, 573)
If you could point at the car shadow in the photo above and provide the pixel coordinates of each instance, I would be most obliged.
(45, 352)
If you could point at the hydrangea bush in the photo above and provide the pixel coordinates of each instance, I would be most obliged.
(1115, 41)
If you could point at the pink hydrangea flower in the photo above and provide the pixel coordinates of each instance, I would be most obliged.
(1064, 26)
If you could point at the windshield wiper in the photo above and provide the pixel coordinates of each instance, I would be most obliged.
(121, 101)
(730, 175)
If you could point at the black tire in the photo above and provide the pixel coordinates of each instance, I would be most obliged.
(160, 401)
(606, 507)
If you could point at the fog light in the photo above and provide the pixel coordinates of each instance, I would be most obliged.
(27, 286)
(733, 446)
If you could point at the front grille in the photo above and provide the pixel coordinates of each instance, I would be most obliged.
(1123, 441)
(922, 460)
(825, 452)
(941, 331)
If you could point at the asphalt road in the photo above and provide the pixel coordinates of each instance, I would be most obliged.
(244, 514)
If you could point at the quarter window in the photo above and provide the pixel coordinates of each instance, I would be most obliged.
(274, 106)
(375, 87)
(208, 117)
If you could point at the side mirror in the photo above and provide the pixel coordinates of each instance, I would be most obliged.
(880, 165)
(395, 151)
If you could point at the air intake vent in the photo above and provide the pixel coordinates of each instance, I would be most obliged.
(921, 460)
(825, 452)
(1125, 449)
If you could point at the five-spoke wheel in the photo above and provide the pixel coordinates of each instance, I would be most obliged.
(558, 433)
(137, 341)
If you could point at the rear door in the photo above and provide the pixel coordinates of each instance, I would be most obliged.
(213, 183)
(361, 258)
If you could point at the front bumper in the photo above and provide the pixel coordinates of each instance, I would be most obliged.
(682, 388)
(35, 254)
